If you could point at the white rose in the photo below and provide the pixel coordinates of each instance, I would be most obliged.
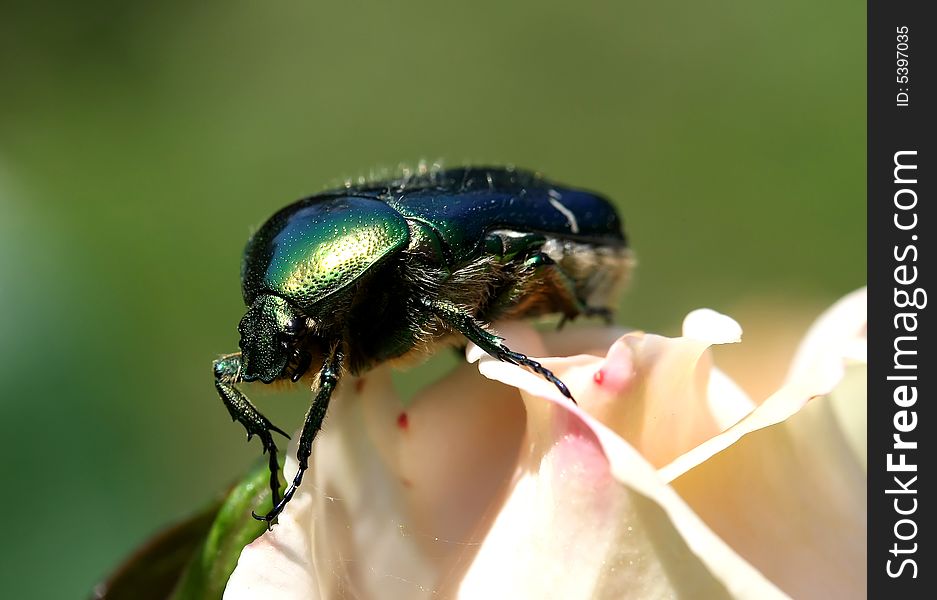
(665, 480)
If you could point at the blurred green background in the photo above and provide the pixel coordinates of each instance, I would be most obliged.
(140, 143)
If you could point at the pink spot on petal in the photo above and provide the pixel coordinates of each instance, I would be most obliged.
(581, 464)
(403, 421)
(617, 372)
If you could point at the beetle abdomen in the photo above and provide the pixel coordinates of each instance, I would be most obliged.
(598, 272)
(491, 290)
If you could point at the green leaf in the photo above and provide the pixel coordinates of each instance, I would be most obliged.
(152, 571)
(194, 558)
(208, 571)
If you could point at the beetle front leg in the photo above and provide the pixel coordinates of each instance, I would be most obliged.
(490, 343)
(227, 374)
(327, 380)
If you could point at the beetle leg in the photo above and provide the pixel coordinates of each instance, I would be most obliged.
(328, 379)
(491, 343)
(227, 374)
(506, 244)
(566, 287)
(303, 360)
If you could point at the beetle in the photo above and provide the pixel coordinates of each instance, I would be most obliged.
(347, 279)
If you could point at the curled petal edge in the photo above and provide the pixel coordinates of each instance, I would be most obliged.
(631, 470)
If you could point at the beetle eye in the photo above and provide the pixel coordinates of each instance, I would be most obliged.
(295, 326)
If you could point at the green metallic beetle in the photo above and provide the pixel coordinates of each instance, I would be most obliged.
(347, 279)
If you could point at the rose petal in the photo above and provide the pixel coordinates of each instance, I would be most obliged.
(834, 342)
(394, 499)
(590, 518)
(727, 401)
(709, 326)
(330, 537)
(788, 497)
(786, 486)
(652, 390)
(839, 333)
(848, 404)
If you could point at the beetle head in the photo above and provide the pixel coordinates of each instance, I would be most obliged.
(270, 331)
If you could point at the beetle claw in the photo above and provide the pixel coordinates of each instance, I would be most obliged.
(273, 427)
(267, 518)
